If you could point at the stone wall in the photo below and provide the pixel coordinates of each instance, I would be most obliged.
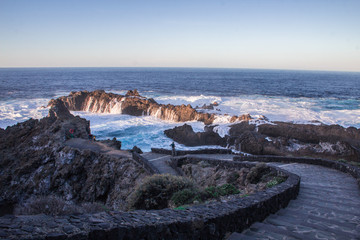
(204, 221)
(341, 166)
(185, 152)
(145, 163)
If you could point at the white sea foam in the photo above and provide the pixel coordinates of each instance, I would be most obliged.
(147, 131)
(14, 111)
(192, 100)
(143, 131)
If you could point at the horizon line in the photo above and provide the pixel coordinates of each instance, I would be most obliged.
(274, 69)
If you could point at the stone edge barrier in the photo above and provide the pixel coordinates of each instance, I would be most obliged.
(340, 166)
(204, 221)
(145, 163)
(186, 152)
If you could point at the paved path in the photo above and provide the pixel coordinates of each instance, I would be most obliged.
(98, 147)
(159, 161)
(328, 207)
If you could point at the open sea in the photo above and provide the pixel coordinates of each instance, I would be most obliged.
(295, 96)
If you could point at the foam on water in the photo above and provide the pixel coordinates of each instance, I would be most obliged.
(143, 131)
(147, 131)
(297, 110)
(192, 100)
(14, 111)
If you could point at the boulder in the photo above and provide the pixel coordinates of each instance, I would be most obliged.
(186, 135)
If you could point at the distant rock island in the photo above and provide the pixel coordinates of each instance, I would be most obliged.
(133, 104)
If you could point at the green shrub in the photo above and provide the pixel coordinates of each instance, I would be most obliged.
(233, 176)
(275, 181)
(223, 190)
(257, 172)
(228, 189)
(156, 191)
(185, 196)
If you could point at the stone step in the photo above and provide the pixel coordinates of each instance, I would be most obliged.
(314, 198)
(326, 212)
(327, 206)
(265, 234)
(330, 219)
(327, 194)
(336, 187)
(310, 228)
(268, 227)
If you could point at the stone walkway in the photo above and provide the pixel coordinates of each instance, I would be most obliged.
(98, 147)
(328, 207)
(159, 161)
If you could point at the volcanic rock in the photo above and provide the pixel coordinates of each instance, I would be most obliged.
(36, 161)
(281, 138)
(186, 135)
(132, 104)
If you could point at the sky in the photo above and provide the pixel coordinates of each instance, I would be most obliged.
(268, 34)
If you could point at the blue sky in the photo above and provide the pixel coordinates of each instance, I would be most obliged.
(313, 35)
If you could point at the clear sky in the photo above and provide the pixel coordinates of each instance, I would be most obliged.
(306, 34)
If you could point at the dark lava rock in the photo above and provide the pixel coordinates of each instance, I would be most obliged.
(186, 135)
(281, 138)
(35, 161)
(133, 104)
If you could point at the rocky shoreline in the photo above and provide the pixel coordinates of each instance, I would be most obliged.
(37, 160)
(133, 104)
(253, 136)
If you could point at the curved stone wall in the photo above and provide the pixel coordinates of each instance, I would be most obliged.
(341, 166)
(200, 151)
(205, 221)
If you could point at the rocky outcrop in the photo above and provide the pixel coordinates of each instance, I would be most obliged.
(278, 138)
(186, 135)
(36, 161)
(281, 138)
(133, 104)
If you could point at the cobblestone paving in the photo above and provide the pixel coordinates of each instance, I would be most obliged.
(328, 207)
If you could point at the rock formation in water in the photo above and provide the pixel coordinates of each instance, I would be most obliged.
(279, 138)
(186, 135)
(36, 161)
(133, 104)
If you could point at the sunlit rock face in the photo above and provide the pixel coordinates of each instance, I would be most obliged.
(133, 104)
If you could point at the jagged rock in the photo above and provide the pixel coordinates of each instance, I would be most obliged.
(312, 133)
(186, 135)
(250, 142)
(137, 150)
(280, 138)
(35, 161)
(133, 104)
(114, 143)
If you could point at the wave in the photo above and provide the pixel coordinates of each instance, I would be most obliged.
(14, 111)
(143, 131)
(297, 110)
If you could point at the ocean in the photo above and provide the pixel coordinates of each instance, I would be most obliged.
(280, 95)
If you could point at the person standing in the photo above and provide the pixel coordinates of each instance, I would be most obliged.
(173, 153)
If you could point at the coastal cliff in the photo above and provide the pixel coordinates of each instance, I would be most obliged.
(36, 160)
(133, 104)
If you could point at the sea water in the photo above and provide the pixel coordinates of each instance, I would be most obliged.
(294, 96)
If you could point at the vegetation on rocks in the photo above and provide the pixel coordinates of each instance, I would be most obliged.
(161, 191)
(156, 191)
(275, 181)
(55, 205)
